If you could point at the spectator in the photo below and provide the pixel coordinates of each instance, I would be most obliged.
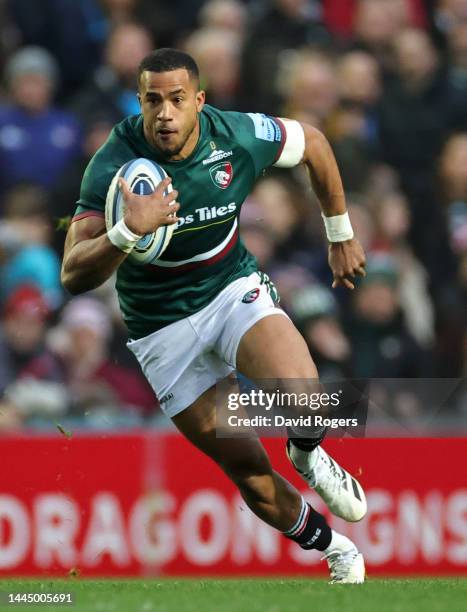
(377, 23)
(383, 346)
(80, 344)
(392, 217)
(73, 31)
(31, 258)
(359, 80)
(30, 118)
(309, 86)
(285, 24)
(112, 90)
(339, 15)
(217, 52)
(315, 311)
(415, 115)
(22, 341)
(414, 104)
(22, 332)
(355, 129)
(227, 15)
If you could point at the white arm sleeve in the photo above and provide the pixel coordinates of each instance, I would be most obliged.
(294, 146)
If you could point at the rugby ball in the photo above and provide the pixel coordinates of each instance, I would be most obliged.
(142, 176)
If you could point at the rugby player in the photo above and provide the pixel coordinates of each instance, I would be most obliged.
(203, 310)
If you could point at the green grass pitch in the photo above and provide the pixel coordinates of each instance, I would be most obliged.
(255, 595)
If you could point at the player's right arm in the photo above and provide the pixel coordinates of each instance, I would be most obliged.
(90, 258)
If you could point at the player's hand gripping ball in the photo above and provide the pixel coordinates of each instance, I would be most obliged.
(142, 177)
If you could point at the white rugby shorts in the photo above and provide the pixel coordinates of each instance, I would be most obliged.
(184, 359)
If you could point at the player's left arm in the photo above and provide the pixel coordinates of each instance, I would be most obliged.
(308, 145)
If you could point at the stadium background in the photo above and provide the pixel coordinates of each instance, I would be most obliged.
(386, 80)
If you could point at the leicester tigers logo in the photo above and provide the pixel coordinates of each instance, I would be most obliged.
(250, 296)
(221, 174)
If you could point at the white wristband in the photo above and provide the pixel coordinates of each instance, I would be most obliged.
(122, 237)
(338, 228)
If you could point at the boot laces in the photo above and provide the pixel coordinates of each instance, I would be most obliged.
(340, 563)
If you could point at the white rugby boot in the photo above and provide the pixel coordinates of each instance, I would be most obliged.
(345, 563)
(341, 492)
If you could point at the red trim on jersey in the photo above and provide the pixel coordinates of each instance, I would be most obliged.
(89, 213)
(196, 264)
(283, 138)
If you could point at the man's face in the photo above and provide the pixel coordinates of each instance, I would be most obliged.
(125, 49)
(170, 103)
(24, 331)
(32, 91)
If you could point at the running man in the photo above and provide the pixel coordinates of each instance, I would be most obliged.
(188, 323)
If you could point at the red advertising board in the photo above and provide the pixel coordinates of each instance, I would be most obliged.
(151, 504)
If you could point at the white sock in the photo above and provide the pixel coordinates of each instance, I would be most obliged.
(304, 460)
(339, 542)
(313, 458)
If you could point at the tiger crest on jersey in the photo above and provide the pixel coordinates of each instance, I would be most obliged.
(221, 174)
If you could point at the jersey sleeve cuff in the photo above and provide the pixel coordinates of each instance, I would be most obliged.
(281, 125)
(292, 145)
(87, 213)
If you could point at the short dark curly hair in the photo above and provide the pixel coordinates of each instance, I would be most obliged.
(166, 60)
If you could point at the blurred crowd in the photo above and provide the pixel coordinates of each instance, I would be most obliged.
(385, 80)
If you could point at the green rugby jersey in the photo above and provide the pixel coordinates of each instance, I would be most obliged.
(205, 253)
